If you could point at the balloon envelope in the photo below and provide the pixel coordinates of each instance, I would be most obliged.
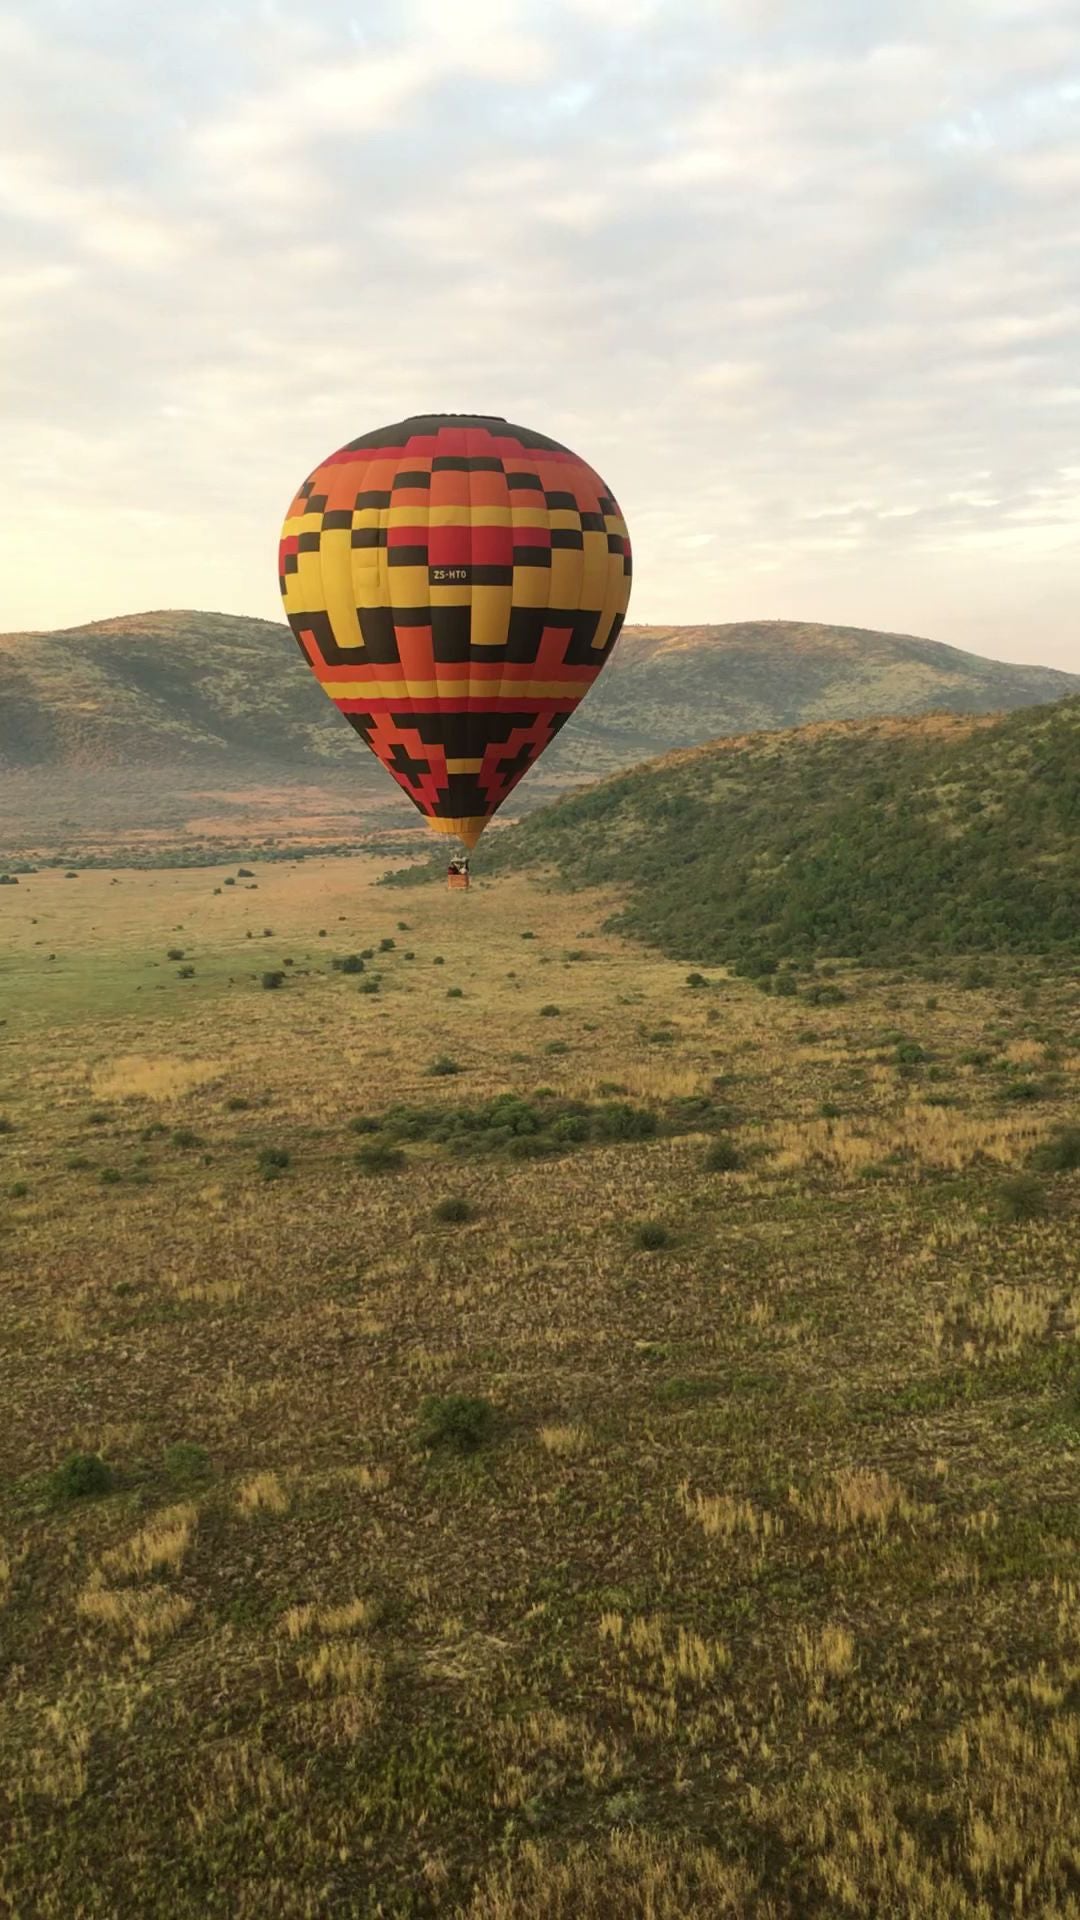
(456, 583)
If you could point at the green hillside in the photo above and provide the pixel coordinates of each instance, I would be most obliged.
(873, 841)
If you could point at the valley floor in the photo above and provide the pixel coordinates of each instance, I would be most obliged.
(759, 1591)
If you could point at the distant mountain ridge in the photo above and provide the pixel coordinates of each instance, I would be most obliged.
(180, 688)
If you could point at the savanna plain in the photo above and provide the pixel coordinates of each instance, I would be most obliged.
(501, 1425)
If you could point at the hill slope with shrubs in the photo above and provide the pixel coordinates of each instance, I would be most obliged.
(875, 840)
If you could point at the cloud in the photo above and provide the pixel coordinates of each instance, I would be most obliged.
(801, 278)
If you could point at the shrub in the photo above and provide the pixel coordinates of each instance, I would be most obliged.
(244, 873)
(78, 1163)
(455, 993)
(272, 978)
(909, 1054)
(620, 1120)
(98, 1118)
(453, 1209)
(786, 985)
(557, 1046)
(368, 985)
(1021, 1198)
(229, 881)
(443, 1067)
(438, 961)
(528, 936)
(825, 995)
(365, 1123)
(184, 1461)
(696, 980)
(186, 1137)
(110, 1176)
(550, 1011)
(457, 1421)
(237, 1103)
(387, 945)
(722, 1156)
(1019, 1091)
(19, 1189)
(80, 1477)
(322, 933)
(350, 963)
(651, 1235)
(403, 926)
(6, 1125)
(1060, 1153)
(272, 1161)
(175, 953)
(186, 973)
(367, 953)
(379, 1156)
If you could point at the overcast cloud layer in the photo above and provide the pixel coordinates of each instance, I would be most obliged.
(800, 277)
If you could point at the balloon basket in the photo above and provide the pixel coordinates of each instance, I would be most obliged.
(457, 882)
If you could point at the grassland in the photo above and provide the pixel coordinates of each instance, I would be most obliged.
(754, 1589)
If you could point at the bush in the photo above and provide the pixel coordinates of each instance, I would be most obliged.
(443, 1067)
(19, 1189)
(620, 1120)
(229, 881)
(723, 1156)
(379, 1156)
(350, 963)
(651, 1235)
(244, 873)
(6, 1125)
(1060, 1153)
(1019, 1091)
(528, 936)
(81, 1476)
(272, 1161)
(184, 1461)
(1021, 1198)
(696, 980)
(186, 1137)
(438, 961)
(110, 1176)
(453, 1209)
(456, 1421)
(557, 1046)
(369, 985)
(186, 973)
(175, 953)
(550, 1012)
(387, 945)
(825, 996)
(365, 1123)
(786, 985)
(237, 1103)
(455, 993)
(272, 978)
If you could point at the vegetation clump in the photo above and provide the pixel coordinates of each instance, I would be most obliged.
(457, 1422)
(379, 1156)
(453, 1209)
(272, 979)
(1060, 1152)
(82, 1476)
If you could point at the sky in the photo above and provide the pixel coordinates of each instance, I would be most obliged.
(800, 278)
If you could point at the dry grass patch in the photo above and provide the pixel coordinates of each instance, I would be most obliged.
(344, 1619)
(143, 1615)
(947, 1138)
(262, 1493)
(824, 1654)
(857, 1498)
(724, 1517)
(564, 1440)
(639, 1876)
(150, 1077)
(162, 1543)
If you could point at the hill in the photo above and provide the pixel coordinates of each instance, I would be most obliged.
(176, 689)
(870, 840)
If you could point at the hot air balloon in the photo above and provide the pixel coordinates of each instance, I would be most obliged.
(456, 584)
